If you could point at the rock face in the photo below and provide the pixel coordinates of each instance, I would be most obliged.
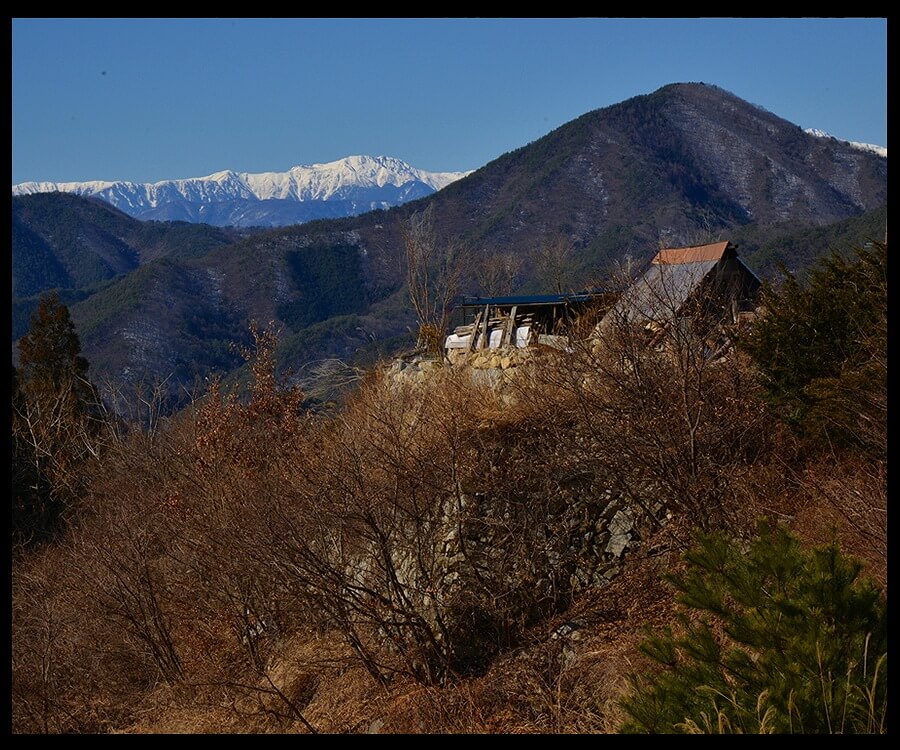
(496, 562)
(416, 369)
(492, 570)
(493, 368)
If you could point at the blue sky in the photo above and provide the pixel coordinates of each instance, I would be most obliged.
(146, 100)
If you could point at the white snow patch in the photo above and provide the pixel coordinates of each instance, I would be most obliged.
(870, 147)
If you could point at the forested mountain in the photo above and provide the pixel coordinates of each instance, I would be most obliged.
(684, 164)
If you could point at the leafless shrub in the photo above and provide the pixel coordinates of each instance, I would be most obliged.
(846, 496)
(328, 379)
(56, 442)
(72, 671)
(658, 412)
(420, 532)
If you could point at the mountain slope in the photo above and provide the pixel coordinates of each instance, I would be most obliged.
(688, 156)
(68, 242)
(340, 188)
(677, 166)
(798, 250)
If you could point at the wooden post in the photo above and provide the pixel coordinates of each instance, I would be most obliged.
(475, 330)
(510, 330)
(483, 341)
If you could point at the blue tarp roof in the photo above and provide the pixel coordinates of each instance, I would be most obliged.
(534, 299)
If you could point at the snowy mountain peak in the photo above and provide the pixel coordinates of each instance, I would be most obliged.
(358, 183)
(871, 147)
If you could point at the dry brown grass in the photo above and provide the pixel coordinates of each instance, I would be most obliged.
(566, 685)
(846, 499)
(546, 685)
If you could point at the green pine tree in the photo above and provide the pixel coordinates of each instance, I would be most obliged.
(782, 640)
(54, 422)
(50, 353)
(821, 348)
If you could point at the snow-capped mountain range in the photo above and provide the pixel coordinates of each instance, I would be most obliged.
(344, 187)
(880, 150)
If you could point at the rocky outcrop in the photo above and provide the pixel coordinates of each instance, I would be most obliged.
(493, 368)
(494, 563)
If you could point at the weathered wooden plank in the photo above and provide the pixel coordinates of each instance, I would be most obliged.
(483, 341)
(510, 327)
(475, 329)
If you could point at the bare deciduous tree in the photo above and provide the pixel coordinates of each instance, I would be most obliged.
(499, 273)
(434, 271)
(556, 259)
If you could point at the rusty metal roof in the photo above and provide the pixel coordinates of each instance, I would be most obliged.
(696, 254)
(671, 278)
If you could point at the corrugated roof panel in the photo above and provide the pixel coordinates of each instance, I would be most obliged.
(661, 291)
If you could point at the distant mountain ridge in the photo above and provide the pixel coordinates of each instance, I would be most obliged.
(345, 187)
(687, 164)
